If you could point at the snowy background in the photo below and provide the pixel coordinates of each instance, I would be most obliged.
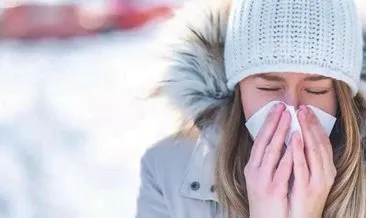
(74, 124)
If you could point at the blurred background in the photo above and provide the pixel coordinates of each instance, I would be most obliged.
(74, 121)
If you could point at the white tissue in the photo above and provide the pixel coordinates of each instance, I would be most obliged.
(255, 122)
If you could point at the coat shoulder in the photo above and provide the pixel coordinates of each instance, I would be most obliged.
(173, 149)
(162, 167)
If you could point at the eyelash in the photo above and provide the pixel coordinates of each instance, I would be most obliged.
(269, 89)
(277, 89)
(317, 93)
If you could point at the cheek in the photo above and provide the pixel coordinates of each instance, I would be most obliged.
(251, 99)
(332, 105)
(248, 109)
(327, 103)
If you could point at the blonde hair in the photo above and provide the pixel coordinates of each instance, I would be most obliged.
(347, 198)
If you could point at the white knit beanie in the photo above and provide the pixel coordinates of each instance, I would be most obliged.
(322, 37)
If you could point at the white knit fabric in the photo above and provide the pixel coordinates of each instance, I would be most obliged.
(322, 37)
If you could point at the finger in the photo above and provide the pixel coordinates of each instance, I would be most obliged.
(273, 150)
(312, 152)
(265, 134)
(328, 166)
(325, 148)
(283, 172)
(301, 169)
(323, 139)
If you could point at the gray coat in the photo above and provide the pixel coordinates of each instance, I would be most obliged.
(177, 172)
(176, 180)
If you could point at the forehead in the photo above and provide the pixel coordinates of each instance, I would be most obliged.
(291, 76)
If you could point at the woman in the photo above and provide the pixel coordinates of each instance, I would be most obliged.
(226, 64)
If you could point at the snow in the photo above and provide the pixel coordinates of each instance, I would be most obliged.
(74, 124)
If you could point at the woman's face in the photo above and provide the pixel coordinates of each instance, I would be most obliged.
(292, 88)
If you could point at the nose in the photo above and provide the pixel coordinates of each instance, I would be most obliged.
(292, 98)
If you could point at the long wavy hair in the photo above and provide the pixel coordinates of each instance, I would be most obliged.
(347, 197)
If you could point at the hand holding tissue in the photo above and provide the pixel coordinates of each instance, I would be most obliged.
(255, 122)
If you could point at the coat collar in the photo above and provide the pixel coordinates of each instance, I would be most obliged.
(200, 169)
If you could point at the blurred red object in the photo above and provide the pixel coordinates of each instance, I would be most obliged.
(137, 18)
(39, 20)
(127, 16)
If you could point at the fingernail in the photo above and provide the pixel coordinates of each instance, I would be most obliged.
(302, 114)
(286, 115)
(275, 108)
(304, 108)
(279, 107)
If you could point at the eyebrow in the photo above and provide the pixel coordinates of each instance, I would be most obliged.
(278, 78)
(270, 77)
(316, 78)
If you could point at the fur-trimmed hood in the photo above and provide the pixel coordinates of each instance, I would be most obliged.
(195, 79)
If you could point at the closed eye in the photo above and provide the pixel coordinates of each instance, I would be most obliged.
(268, 89)
(317, 92)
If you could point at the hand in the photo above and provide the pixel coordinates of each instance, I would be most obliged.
(267, 184)
(314, 170)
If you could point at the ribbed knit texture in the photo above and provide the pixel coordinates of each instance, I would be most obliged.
(322, 37)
